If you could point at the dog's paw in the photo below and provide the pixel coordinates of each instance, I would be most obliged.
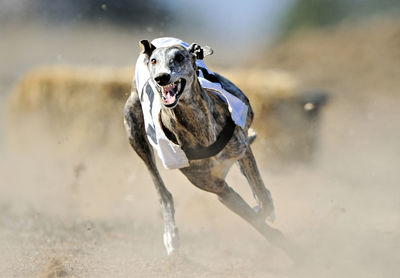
(171, 241)
(267, 213)
(271, 216)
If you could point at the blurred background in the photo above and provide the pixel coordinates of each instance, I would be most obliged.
(322, 77)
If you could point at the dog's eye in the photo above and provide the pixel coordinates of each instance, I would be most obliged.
(153, 61)
(179, 57)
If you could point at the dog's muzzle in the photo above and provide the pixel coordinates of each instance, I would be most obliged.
(170, 93)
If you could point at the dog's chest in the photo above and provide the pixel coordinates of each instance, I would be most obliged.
(234, 150)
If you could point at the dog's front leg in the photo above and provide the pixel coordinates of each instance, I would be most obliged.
(134, 124)
(171, 236)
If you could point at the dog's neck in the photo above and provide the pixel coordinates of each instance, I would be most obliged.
(196, 120)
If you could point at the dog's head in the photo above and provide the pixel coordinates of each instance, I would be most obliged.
(173, 69)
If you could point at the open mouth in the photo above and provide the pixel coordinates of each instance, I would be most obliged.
(170, 93)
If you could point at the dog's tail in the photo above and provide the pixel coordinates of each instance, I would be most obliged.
(251, 135)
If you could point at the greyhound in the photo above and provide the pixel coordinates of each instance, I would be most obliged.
(195, 118)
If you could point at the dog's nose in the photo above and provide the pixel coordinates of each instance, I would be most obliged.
(162, 79)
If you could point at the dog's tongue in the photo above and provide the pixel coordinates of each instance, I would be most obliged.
(169, 96)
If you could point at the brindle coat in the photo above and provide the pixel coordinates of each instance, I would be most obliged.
(196, 120)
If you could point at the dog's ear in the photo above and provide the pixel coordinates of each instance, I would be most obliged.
(146, 47)
(200, 51)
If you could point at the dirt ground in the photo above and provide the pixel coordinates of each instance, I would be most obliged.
(96, 213)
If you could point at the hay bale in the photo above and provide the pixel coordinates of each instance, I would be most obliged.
(75, 108)
(68, 108)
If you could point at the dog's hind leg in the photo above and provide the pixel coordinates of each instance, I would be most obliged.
(203, 179)
(249, 169)
(134, 124)
(234, 202)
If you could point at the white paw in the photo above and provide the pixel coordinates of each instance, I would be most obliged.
(270, 215)
(171, 241)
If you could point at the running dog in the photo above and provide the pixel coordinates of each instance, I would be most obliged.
(198, 121)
